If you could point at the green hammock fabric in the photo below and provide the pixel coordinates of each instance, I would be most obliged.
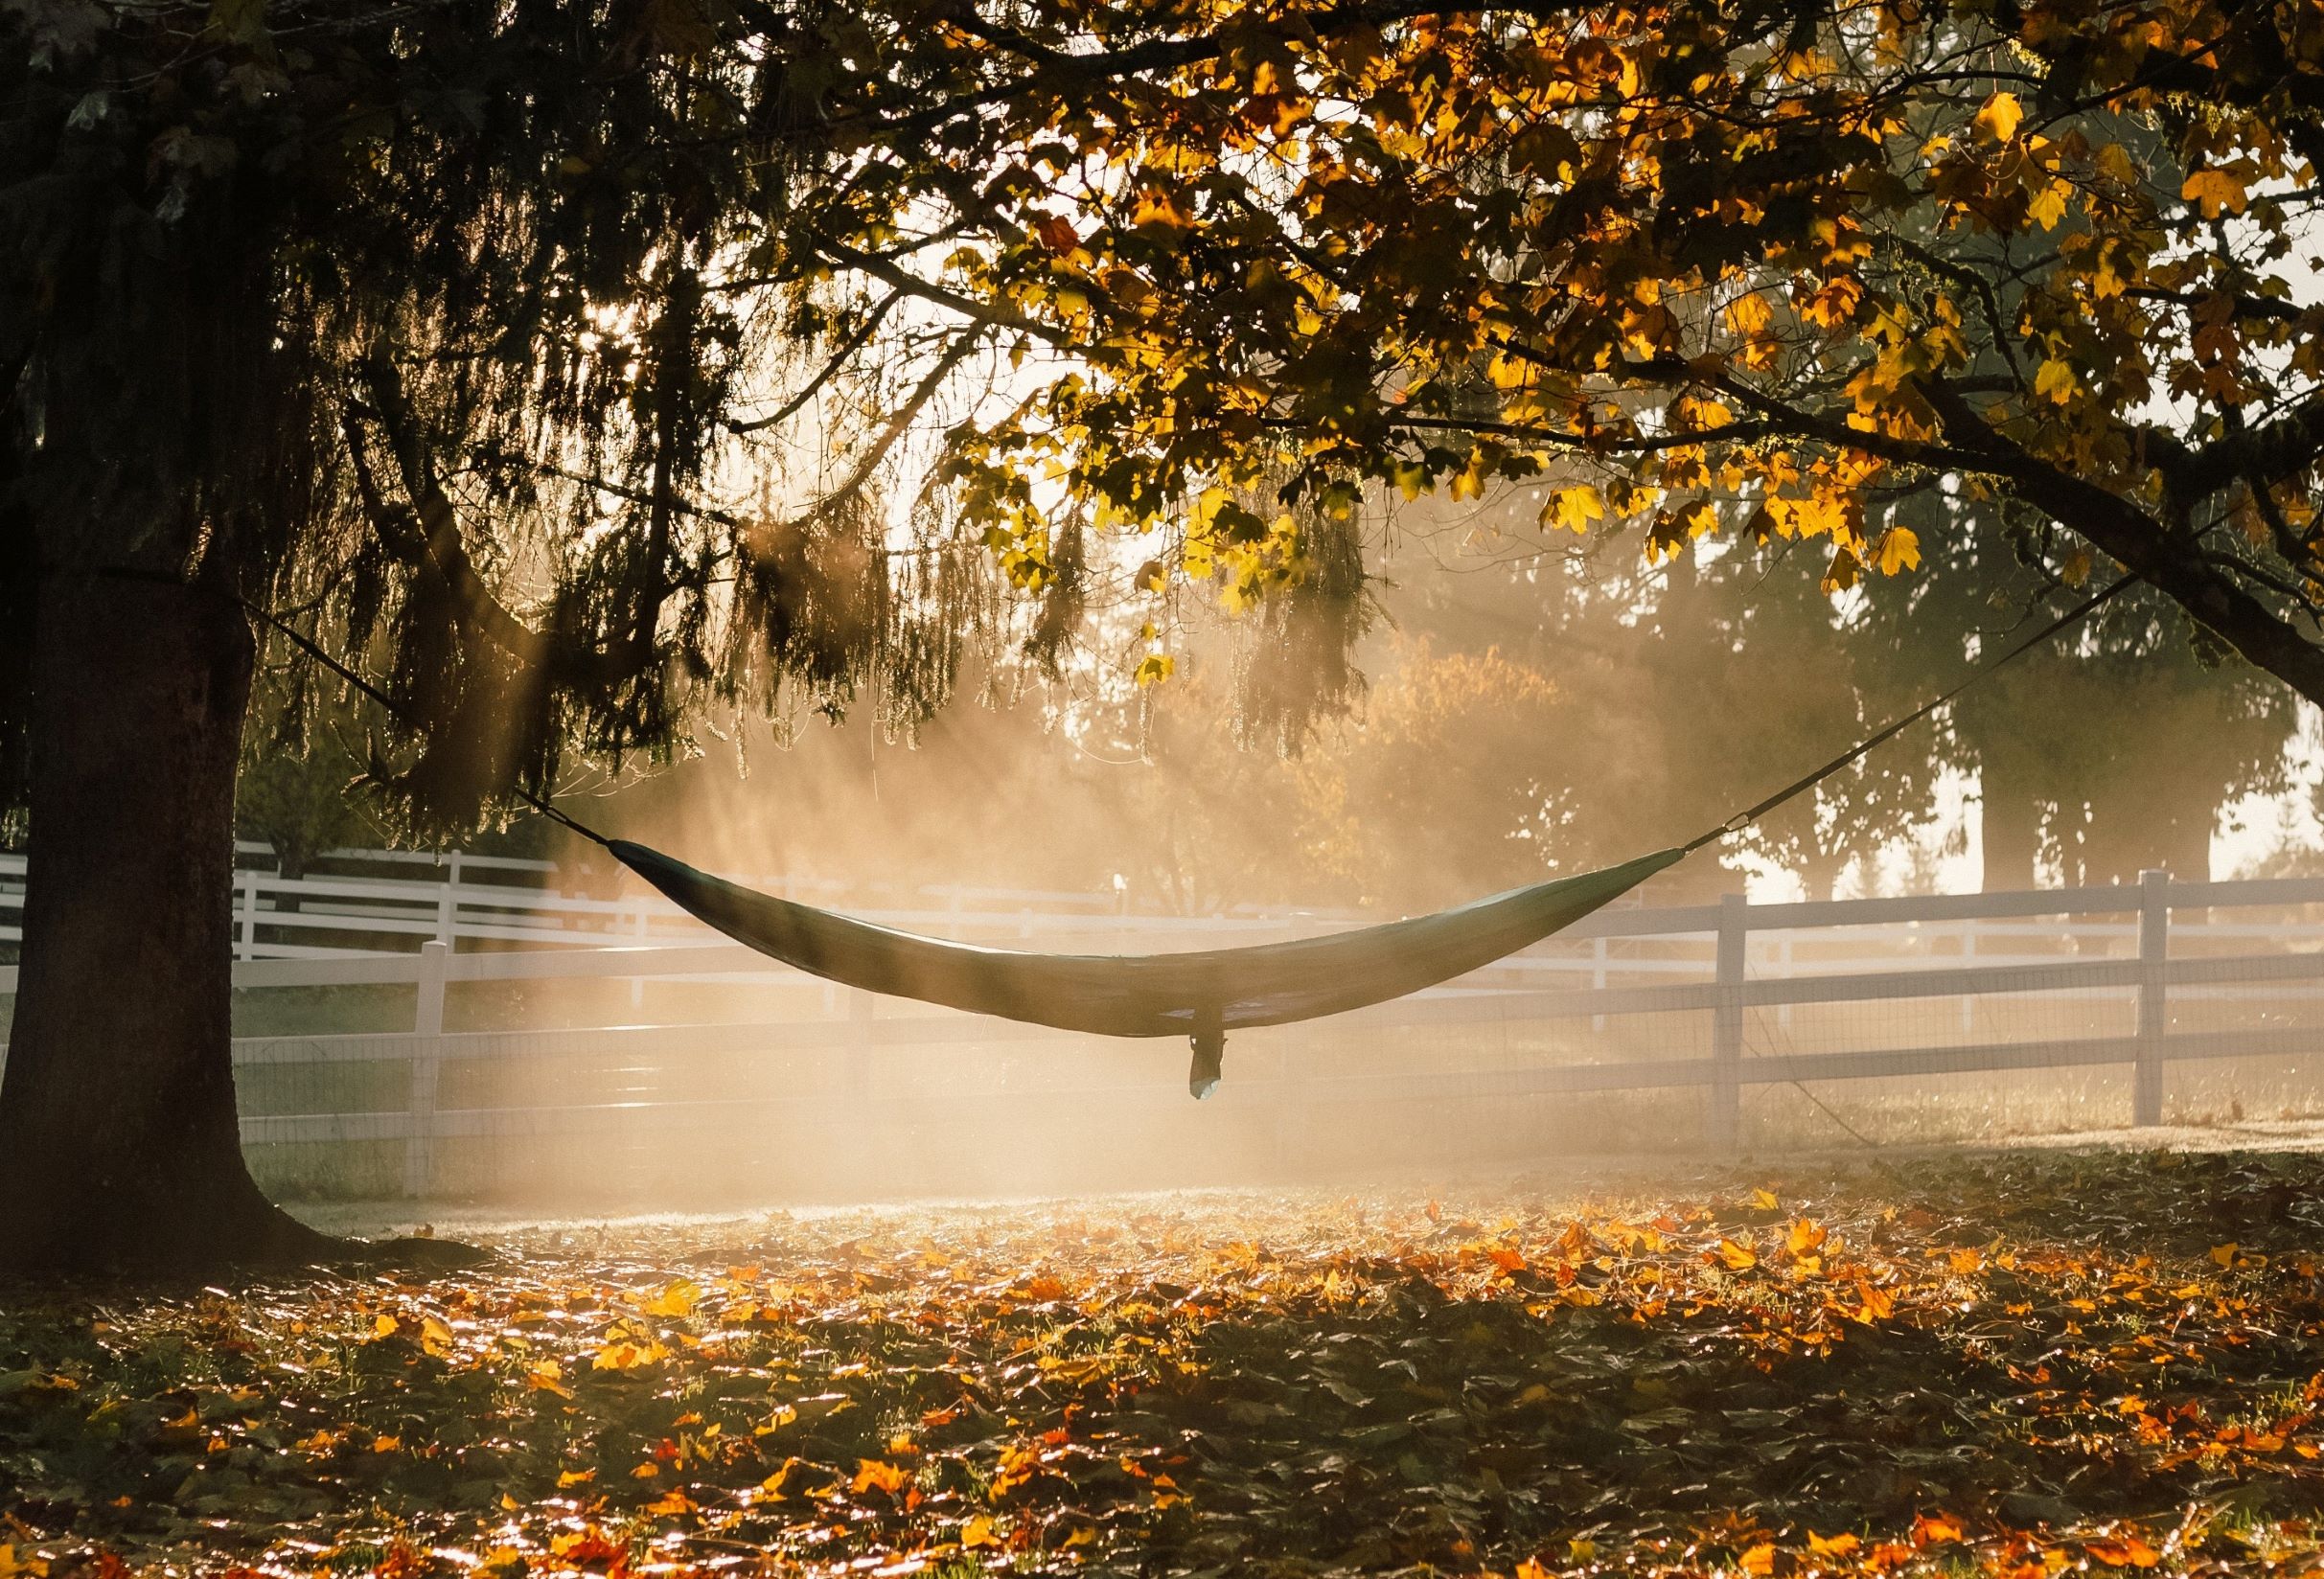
(1200, 995)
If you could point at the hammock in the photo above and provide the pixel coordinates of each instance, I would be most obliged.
(1201, 996)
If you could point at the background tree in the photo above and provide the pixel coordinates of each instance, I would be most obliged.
(300, 789)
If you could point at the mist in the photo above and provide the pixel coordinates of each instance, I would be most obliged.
(1512, 710)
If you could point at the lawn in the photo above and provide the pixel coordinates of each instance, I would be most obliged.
(2015, 1363)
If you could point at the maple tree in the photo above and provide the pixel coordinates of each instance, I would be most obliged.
(1777, 273)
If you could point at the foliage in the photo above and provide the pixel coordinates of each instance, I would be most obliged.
(2011, 1365)
(299, 793)
(442, 328)
(1777, 272)
(1455, 762)
(505, 327)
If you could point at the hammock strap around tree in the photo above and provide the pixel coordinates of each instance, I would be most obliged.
(1200, 996)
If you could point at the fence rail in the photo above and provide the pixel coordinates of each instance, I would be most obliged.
(2149, 975)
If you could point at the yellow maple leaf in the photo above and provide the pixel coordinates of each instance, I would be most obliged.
(435, 1336)
(979, 1532)
(1758, 1559)
(2224, 1254)
(2215, 192)
(622, 1355)
(1156, 209)
(1998, 118)
(1899, 549)
(678, 1299)
(12, 1566)
(1838, 1546)
(2049, 205)
(1574, 508)
(1740, 1258)
(1748, 315)
(2054, 381)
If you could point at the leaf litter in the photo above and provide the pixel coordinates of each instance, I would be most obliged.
(2016, 1364)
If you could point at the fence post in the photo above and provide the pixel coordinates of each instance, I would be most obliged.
(1969, 962)
(1724, 1120)
(861, 1008)
(248, 949)
(427, 1065)
(2153, 1009)
(638, 928)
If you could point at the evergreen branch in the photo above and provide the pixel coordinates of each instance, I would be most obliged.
(814, 386)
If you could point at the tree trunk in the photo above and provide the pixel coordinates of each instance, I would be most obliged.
(116, 1112)
(2135, 827)
(2009, 828)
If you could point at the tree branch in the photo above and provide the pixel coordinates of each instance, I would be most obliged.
(839, 359)
(427, 536)
(898, 425)
(2173, 562)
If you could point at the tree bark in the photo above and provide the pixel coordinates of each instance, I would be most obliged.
(2009, 826)
(117, 1109)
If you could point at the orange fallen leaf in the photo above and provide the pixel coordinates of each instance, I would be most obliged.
(1934, 1530)
(2127, 1551)
(876, 1472)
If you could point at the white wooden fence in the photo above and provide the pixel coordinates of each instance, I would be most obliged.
(1718, 998)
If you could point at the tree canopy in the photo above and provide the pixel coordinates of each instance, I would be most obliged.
(1760, 270)
(567, 347)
